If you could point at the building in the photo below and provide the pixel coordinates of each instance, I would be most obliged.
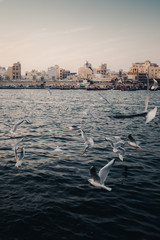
(102, 69)
(86, 71)
(35, 75)
(133, 76)
(14, 72)
(64, 73)
(151, 69)
(52, 73)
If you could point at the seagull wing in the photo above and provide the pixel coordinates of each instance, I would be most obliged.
(84, 137)
(103, 173)
(155, 84)
(151, 115)
(16, 125)
(91, 141)
(122, 153)
(104, 98)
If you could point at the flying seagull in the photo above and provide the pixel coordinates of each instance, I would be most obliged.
(99, 179)
(20, 157)
(88, 141)
(115, 145)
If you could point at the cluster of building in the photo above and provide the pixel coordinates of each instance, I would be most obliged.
(86, 76)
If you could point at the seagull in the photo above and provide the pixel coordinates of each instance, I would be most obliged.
(19, 158)
(88, 141)
(115, 145)
(133, 142)
(151, 115)
(155, 85)
(99, 179)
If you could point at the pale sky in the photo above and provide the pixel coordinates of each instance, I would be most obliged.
(42, 33)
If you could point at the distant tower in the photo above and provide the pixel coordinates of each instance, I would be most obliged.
(88, 65)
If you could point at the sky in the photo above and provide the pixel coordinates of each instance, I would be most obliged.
(42, 33)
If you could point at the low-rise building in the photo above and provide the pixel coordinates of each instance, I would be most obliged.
(151, 69)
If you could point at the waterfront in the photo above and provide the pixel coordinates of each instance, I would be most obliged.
(50, 197)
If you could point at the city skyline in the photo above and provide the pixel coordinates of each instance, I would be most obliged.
(40, 34)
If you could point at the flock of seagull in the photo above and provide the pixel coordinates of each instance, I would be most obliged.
(97, 179)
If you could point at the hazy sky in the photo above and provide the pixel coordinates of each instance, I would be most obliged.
(42, 33)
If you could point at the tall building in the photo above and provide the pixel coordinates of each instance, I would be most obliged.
(151, 69)
(102, 69)
(14, 72)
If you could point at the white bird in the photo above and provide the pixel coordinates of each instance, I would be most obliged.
(151, 115)
(115, 145)
(88, 141)
(133, 142)
(19, 159)
(155, 85)
(99, 179)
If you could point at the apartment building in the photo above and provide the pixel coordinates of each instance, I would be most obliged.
(151, 69)
(102, 69)
(14, 72)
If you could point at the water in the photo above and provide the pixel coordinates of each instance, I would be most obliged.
(50, 197)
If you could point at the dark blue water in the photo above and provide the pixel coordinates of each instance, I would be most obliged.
(49, 196)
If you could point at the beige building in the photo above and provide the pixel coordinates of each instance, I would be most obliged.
(84, 73)
(151, 69)
(14, 72)
(102, 69)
